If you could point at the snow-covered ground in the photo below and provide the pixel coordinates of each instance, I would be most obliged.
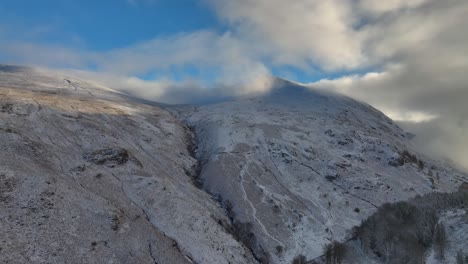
(90, 175)
(135, 205)
(456, 228)
(304, 166)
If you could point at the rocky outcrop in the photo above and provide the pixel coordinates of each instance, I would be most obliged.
(107, 156)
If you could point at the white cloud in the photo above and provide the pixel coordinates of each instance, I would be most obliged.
(427, 90)
(415, 48)
(169, 91)
(300, 33)
(338, 34)
(380, 7)
(224, 58)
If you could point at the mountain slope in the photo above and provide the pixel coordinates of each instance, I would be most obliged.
(89, 176)
(301, 167)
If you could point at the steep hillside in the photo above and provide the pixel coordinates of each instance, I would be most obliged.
(298, 168)
(89, 176)
(426, 229)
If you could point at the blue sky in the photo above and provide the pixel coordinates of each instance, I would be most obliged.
(104, 26)
(405, 57)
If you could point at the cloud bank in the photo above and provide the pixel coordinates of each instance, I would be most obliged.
(406, 57)
(422, 80)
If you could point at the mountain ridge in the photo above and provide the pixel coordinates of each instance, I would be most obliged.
(261, 178)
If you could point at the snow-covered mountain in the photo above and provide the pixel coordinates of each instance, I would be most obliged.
(91, 175)
(302, 166)
(88, 176)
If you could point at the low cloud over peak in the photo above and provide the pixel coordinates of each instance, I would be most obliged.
(407, 58)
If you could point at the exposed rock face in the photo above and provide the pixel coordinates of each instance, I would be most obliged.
(126, 200)
(108, 156)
